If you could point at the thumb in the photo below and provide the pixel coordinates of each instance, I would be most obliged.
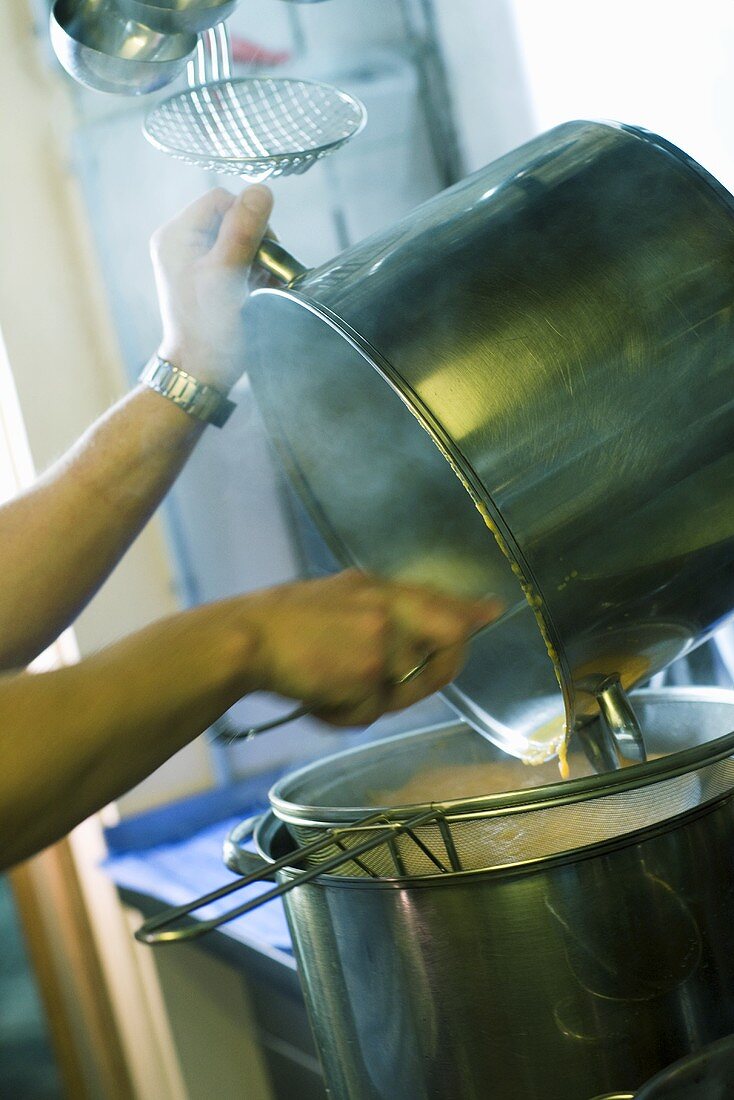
(242, 228)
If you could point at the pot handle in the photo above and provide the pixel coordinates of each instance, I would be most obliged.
(237, 858)
(258, 870)
(616, 737)
(278, 262)
(620, 720)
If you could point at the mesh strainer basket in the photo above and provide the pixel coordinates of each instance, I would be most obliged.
(493, 811)
(444, 801)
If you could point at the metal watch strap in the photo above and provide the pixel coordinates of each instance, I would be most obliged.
(199, 400)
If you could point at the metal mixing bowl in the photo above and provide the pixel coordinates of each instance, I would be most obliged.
(100, 47)
(179, 16)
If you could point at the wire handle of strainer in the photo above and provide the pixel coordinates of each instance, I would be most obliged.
(166, 926)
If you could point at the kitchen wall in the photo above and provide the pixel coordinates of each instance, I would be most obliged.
(663, 65)
(518, 67)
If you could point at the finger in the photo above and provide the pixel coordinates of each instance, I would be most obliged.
(477, 612)
(201, 218)
(405, 656)
(434, 622)
(242, 229)
(486, 611)
(439, 671)
(347, 717)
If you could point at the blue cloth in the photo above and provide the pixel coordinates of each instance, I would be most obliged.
(180, 820)
(172, 855)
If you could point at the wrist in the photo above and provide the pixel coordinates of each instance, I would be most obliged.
(220, 369)
(200, 400)
(253, 619)
(238, 645)
(210, 662)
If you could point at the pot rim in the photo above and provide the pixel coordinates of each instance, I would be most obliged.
(564, 792)
(269, 824)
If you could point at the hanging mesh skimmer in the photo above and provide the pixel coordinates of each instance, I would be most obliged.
(255, 128)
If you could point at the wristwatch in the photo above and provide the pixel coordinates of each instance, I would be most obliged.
(201, 401)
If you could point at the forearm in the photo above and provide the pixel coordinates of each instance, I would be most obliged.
(61, 539)
(75, 739)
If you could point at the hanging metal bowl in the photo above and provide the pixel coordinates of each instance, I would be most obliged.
(179, 16)
(103, 49)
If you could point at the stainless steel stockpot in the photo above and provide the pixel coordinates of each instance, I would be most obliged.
(561, 326)
(559, 978)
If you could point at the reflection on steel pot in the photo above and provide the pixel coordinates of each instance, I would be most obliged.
(706, 1075)
(561, 325)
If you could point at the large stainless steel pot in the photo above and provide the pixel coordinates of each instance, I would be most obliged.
(561, 324)
(558, 978)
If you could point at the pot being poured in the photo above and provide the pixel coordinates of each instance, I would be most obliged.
(560, 326)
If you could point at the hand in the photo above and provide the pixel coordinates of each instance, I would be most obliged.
(342, 644)
(201, 261)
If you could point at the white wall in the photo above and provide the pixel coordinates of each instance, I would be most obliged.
(490, 101)
(667, 65)
(519, 67)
